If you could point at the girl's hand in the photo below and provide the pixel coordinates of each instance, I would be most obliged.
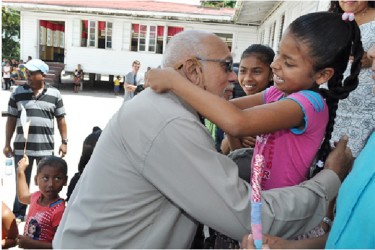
(248, 243)
(161, 80)
(23, 163)
(269, 242)
(248, 142)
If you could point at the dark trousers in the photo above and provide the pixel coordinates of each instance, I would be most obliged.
(19, 208)
(7, 83)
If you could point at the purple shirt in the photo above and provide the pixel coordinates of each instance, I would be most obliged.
(288, 153)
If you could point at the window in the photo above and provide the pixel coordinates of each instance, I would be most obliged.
(150, 38)
(108, 36)
(273, 34)
(92, 34)
(96, 34)
(262, 37)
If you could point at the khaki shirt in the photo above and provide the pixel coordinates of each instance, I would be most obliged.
(155, 173)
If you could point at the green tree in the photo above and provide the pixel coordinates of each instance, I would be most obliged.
(219, 4)
(10, 33)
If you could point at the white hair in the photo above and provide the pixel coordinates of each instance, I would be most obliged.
(185, 45)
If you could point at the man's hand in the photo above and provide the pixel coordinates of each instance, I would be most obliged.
(130, 87)
(340, 160)
(8, 152)
(23, 164)
(63, 150)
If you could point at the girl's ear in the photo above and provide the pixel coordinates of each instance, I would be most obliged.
(324, 75)
(66, 180)
(36, 179)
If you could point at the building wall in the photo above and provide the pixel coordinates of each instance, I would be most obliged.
(291, 10)
(116, 61)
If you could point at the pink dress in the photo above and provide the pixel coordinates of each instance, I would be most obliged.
(289, 153)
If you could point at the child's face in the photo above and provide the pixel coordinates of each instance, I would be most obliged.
(292, 66)
(253, 74)
(32, 229)
(50, 181)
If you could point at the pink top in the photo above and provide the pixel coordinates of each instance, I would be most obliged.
(288, 153)
(41, 222)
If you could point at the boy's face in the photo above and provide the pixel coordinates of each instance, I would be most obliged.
(50, 181)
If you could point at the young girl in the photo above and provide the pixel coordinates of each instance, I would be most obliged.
(355, 115)
(116, 87)
(294, 115)
(46, 207)
(78, 76)
(87, 149)
(254, 76)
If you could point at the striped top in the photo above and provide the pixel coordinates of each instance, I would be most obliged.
(41, 111)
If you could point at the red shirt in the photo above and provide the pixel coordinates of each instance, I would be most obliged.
(41, 222)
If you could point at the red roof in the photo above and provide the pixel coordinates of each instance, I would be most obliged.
(149, 5)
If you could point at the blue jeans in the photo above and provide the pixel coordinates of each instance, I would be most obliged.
(19, 208)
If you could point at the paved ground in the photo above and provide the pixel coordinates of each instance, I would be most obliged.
(94, 106)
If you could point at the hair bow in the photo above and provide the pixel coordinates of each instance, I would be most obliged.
(348, 16)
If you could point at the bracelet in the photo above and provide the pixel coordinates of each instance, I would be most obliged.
(328, 221)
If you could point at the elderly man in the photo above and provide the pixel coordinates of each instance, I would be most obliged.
(155, 171)
(42, 104)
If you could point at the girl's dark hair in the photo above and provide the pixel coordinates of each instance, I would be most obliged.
(335, 6)
(53, 161)
(262, 52)
(88, 147)
(330, 42)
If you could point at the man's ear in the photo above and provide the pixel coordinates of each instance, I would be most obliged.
(193, 71)
(324, 75)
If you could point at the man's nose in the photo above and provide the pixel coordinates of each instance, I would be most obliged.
(232, 76)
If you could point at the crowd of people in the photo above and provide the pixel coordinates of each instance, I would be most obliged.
(12, 70)
(157, 182)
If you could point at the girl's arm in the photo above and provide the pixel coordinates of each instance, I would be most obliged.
(29, 243)
(273, 242)
(23, 192)
(231, 119)
(9, 227)
(248, 101)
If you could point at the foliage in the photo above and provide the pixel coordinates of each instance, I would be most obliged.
(219, 4)
(10, 33)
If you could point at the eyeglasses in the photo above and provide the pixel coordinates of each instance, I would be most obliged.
(227, 63)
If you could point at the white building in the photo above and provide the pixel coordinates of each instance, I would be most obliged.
(105, 37)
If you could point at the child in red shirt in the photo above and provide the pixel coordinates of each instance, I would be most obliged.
(46, 207)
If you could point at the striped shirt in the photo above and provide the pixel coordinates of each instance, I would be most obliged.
(41, 111)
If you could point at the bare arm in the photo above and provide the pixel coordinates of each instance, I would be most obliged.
(61, 124)
(9, 130)
(9, 227)
(231, 119)
(23, 192)
(29, 243)
(273, 242)
(249, 122)
(248, 101)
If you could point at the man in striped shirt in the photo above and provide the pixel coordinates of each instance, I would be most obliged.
(42, 104)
